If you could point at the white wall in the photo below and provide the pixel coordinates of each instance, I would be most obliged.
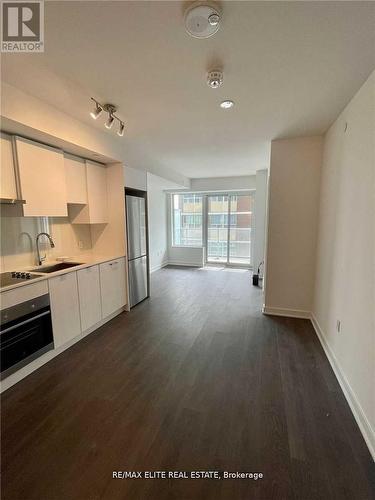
(157, 222)
(260, 209)
(223, 183)
(292, 225)
(134, 178)
(345, 271)
(158, 219)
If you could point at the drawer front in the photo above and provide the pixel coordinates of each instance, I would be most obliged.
(23, 293)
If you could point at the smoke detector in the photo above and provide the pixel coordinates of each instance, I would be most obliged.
(215, 78)
(202, 20)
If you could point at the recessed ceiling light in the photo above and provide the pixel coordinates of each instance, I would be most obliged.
(227, 104)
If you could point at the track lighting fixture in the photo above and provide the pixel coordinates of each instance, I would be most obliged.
(111, 110)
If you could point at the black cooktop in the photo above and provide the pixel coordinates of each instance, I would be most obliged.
(7, 279)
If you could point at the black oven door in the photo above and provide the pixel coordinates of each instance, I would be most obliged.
(26, 337)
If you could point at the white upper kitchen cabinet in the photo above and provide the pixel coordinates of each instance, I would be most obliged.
(66, 323)
(42, 178)
(89, 296)
(8, 187)
(113, 286)
(76, 183)
(96, 210)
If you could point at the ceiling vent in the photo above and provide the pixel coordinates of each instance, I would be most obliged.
(202, 20)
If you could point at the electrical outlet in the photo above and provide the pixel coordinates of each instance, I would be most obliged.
(80, 244)
(338, 326)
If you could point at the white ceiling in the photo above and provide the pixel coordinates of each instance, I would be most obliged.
(290, 67)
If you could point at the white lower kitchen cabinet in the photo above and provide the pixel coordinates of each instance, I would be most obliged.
(113, 286)
(89, 296)
(66, 323)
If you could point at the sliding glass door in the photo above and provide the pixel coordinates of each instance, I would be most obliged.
(217, 228)
(229, 224)
(241, 213)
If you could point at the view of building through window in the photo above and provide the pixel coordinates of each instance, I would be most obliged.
(229, 225)
(187, 219)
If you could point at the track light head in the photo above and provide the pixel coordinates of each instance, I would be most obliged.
(109, 122)
(121, 129)
(111, 110)
(96, 112)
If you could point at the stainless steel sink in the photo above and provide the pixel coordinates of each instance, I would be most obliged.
(56, 267)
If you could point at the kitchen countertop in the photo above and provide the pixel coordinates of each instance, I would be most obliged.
(89, 261)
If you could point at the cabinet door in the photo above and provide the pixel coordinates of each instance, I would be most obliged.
(113, 286)
(95, 212)
(7, 173)
(64, 299)
(76, 185)
(89, 296)
(42, 178)
(97, 192)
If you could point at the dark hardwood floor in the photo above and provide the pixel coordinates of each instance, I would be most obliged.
(195, 378)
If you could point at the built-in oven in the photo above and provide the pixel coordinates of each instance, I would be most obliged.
(25, 334)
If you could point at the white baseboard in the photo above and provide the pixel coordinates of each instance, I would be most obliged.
(289, 313)
(358, 413)
(42, 360)
(159, 266)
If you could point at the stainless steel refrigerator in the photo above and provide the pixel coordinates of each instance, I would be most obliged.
(136, 220)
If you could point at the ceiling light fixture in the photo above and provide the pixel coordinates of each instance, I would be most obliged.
(111, 110)
(215, 78)
(227, 104)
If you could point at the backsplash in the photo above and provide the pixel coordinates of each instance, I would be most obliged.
(18, 234)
